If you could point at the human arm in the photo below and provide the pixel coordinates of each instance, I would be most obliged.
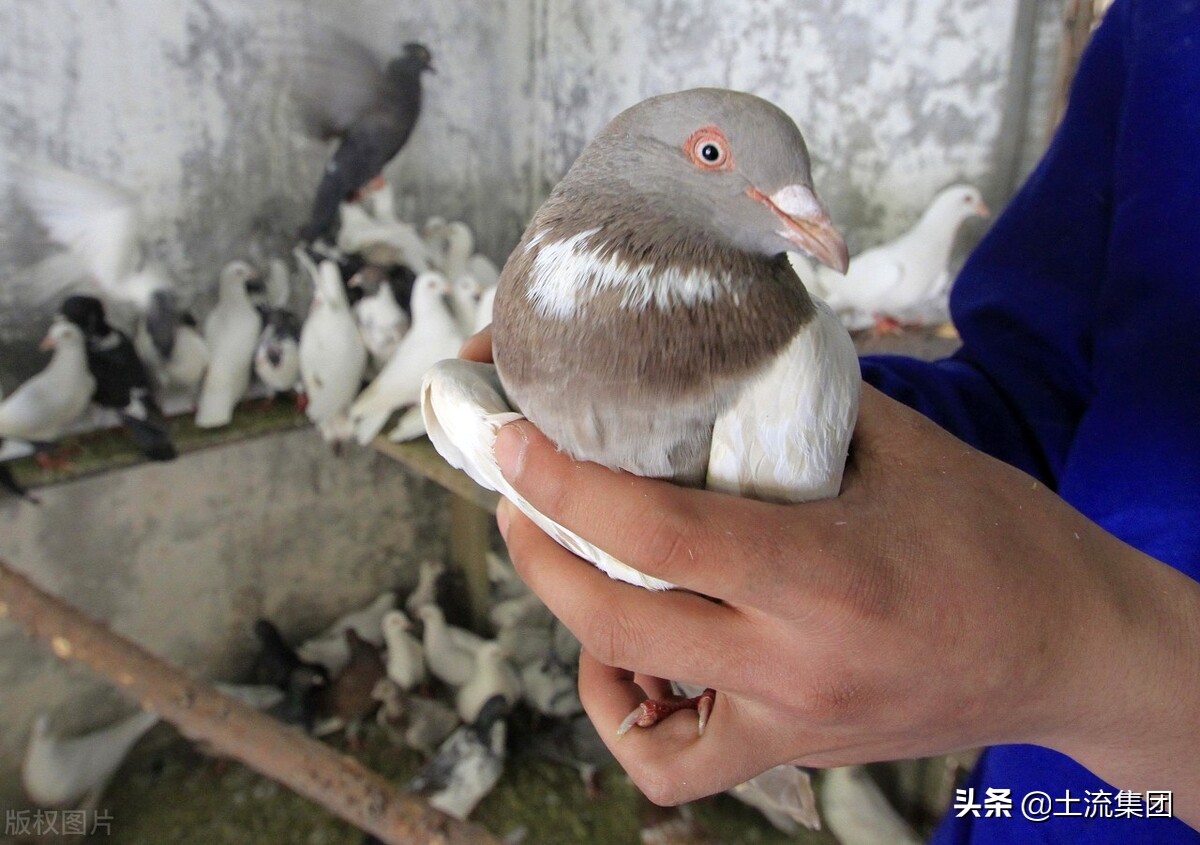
(942, 601)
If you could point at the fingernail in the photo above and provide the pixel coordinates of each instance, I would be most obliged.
(510, 450)
(503, 516)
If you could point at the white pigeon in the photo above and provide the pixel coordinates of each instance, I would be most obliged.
(857, 811)
(429, 573)
(465, 294)
(360, 229)
(526, 609)
(483, 313)
(329, 648)
(493, 675)
(67, 771)
(784, 795)
(405, 654)
(382, 323)
(433, 336)
(410, 426)
(47, 403)
(231, 331)
(103, 228)
(897, 277)
(467, 765)
(185, 365)
(332, 355)
(449, 651)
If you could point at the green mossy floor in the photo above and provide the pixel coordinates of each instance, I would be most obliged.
(177, 796)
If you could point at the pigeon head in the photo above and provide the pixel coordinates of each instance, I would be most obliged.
(62, 333)
(415, 60)
(87, 312)
(722, 164)
(240, 274)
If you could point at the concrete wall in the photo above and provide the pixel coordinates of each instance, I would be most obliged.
(184, 101)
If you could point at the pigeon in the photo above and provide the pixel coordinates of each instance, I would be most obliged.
(895, 278)
(550, 688)
(467, 765)
(650, 321)
(332, 355)
(382, 323)
(784, 796)
(122, 381)
(7, 480)
(493, 675)
(103, 226)
(362, 231)
(277, 355)
(430, 574)
(405, 655)
(414, 721)
(483, 312)
(188, 360)
(857, 811)
(465, 293)
(276, 661)
(39, 410)
(231, 331)
(449, 651)
(347, 701)
(70, 772)
(372, 116)
(434, 335)
(329, 648)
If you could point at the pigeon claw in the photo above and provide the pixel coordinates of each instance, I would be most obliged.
(652, 711)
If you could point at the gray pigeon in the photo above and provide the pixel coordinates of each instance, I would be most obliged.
(372, 115)
(650, 321)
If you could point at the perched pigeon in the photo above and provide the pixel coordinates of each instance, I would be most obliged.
(467, 765)
(493, 675)
(431, 574)
(465, 293)
(382, 323)
(893, 279)
(372, 116)
(413, 721)
(277, 355)
(188, 360)
(449, 651)
(348, 700)
(329, 647)
(433, 336)
(122, 382)
(103, 227)
(361, 232)
(650, 321)
(39, 410)
(405, 655)
(66, 772)
(332, 355)
(231, 331)
(7, 480)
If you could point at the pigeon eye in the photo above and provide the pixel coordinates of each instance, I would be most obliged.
(708, 149)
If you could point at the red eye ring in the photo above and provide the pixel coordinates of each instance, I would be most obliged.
(708, 149)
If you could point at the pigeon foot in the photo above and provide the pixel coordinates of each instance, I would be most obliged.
(652, 711)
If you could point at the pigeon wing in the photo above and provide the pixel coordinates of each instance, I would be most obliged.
(335, 82)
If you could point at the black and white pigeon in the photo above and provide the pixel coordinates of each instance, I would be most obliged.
(103, 226)
(468, 764)
(371, 110)
(650, 321)
(122, 380)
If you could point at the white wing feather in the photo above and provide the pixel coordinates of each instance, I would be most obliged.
(98, 222)
(465, 407)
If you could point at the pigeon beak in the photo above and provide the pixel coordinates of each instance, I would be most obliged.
(806, 224)
(48, 343)
(982, 209)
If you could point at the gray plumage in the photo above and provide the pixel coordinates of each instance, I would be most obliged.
(371, 110)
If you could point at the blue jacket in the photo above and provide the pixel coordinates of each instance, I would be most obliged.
(1080, 319)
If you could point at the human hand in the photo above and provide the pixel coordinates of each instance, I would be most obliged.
(944, 600)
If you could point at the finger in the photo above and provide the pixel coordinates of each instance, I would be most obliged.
(478, 346)
(718, 545)
(671, 634)
(670, 762)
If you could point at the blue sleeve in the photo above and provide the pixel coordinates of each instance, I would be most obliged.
(1024, 302)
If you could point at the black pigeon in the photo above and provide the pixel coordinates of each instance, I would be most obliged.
(122, 381)
(373, 123)
(278, 665)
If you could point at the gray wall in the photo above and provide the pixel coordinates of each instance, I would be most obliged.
(184, 101)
